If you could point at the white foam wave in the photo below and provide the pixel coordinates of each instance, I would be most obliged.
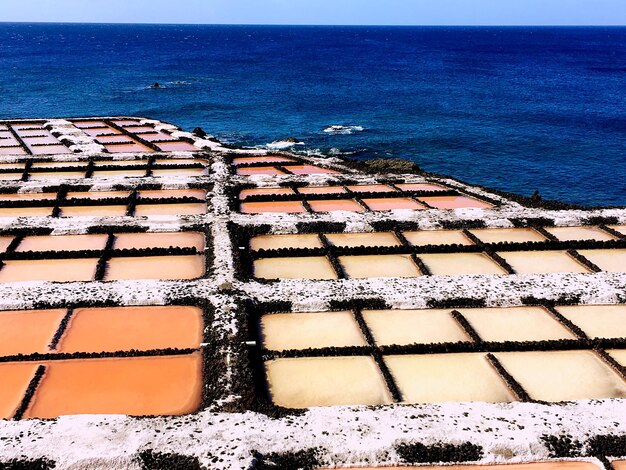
(282, 144)
(344, 130)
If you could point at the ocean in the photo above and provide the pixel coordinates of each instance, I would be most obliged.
(516, 109)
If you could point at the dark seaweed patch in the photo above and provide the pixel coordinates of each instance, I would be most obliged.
(419, 453)
(152, 460)
(299, 460)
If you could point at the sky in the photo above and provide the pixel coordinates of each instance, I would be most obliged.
(321, 12)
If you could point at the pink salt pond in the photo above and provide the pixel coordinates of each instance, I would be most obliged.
(309, 267)
(310, 170)
(259, 170)
(371, 188)
(245, 193)
(49, 149)
(392, 203)
(93, 211)
(62, 243)
(170, 209)
(176, 146)
(421, 187)
(454, 202)
(125, 241)
(336, 205)
(322, 190)
(261, 159)
(274, 206)
(154, 267)
(141, 386)
(126, 148)
(171, 193)
(60, 270)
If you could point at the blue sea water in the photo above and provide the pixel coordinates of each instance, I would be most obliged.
(517, 109)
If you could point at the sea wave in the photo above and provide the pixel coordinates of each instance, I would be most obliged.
(344, 130)
(282, 144)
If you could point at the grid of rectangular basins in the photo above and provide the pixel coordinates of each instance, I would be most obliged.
(355, 198)
(72, 201)
(582, 249)
(102, 257)
(375, 357)
(277, 165)
(28, 139)
(118, 360)
(130, 135)
(94, 169)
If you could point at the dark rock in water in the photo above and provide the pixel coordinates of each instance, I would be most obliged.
(199, 132)
(536, 198)
(293, 140)
(390, 165)
(156, 85)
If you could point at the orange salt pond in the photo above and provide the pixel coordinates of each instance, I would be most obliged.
(515, 324)
(244, 193)
(121, 173)
(259, 170)
(326, 381)
(28, 331)
(93, 211)
(563, 375)
(159, 240)
(97, 195)
(310, 170)
(454, 202)
(61, 270)
(261, 159)
(25, 211)
(284, 331)
(176, 146)
(457, 264)
(56, 175)
(437, 237)
(274, 206)
(371, 188)
(363, 239)
(310, 267)
(580, 233)
(275, 242)
(154, 267)
(193, 208)
(508, 235)
(162, 385)
(392, 203)
(379, 266)
(613, 261)
(322, 190)
(404, 327)
(540, 262)
(170, 193)
(432, 378)
(14, 377)
(421, 187)
(62, 243)
(336, 205)
(127, 328)
(597, 321)
(4, 243)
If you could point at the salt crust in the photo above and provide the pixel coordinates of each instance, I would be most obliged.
(355, 436)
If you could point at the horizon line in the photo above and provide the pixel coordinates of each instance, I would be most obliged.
(329, 25)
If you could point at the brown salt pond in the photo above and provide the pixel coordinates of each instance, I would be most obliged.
(613, 261)
(336, 205)
(193, 208)
(132, 328)
(154, 267)
(508, 235)
(28, 331)
(437, 237)
(455, 202)
(393, 203)
(363, 239)
(456, 264)
(274, 206)
(62, 243)
(159, 240)
(326, 381)
(93, 211)
(259, 170)
(597, 321)
(14, 377)
(141, 386)
(515, 324)
(261, 159)
(540, 262)
(432, 378)
(379, 266)
(563, 375)
(404, 327)
(284, 331)
(25, 211)
(276, 242)
(322, 190)
(245, 193)
(61, 270)
(309, 267)
(310, 170)
(580, 233)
